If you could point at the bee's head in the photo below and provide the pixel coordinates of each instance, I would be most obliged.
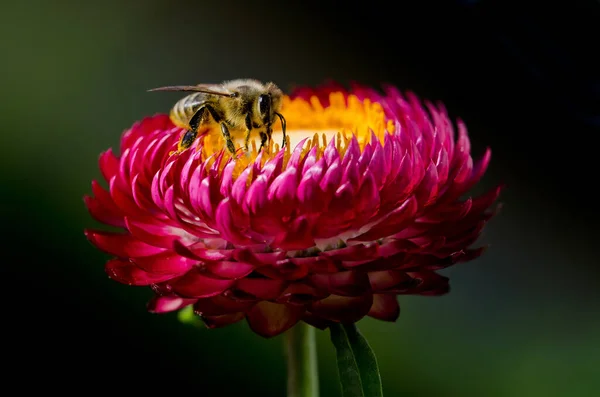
(268, 105)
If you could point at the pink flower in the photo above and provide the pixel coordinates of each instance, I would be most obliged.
(364, 204)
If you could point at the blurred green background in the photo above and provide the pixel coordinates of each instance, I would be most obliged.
(520, 321)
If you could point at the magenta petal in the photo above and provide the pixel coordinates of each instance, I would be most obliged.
(261, 288)
(199, 252)
(109, 164)
(429, 283)
(219, 304)
(154, 232)
(285, 269)
(353, 252)
(258, 259)
(346, 283)
(256, 196)
(300, 293)
(122, 245)
(270, 319)
(283, 187)
(167, 262)
(332, 177)
(310, 196)
(228, 227)
(223, 320)
(386, 279)
(316, 264)
(229, 269)
(238, 189)
(141, 193)
(165, 304)
(102, 207)
(343, 309)
(295, 157)
(385, 307)
(392, 223)
(194, 284)
(126, 272)
(124, 201)
(428, 189)
(298, 235)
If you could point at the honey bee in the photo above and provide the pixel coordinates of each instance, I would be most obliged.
(242, 104)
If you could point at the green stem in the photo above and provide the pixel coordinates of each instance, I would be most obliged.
(303, 377)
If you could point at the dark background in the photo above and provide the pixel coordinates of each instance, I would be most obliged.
(520, 321)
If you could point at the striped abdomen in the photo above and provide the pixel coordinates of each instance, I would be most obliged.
(184, 109)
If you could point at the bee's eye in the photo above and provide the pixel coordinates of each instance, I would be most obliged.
(264, 104)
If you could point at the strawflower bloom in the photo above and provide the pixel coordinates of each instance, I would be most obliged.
(364, 203)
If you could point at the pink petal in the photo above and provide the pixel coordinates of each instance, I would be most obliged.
(283, 187)
(332, 177)
(346, 283)
(228, 227)
(298, 236)
(343, 308)
(316, 264)
(385, 307)
(284, 269)
(154, 232)
(102, 207)
(296, 155)
(428, 189)
(199, 252)
(261, 288)
(124, 201)
(392, 223)
(122, 245)
(167, 262)
(140, 189)
(387, 279)
(126, 272)
(109, 164)
(165, 304)
(256, 196)
(270, 319)
(219, 304)
(352, 252)
(377, 165)
(195, 284)
(238, 189)
(430, 283)
(300, 293)
(310, 196)
(258, 259)
(229, 269)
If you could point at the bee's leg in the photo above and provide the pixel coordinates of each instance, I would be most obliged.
(186, 140)
(189, 136)
(227, 137)
(263, 140)
(282, 119)
(248, 130)
(224, 130)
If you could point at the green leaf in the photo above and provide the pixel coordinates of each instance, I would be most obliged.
(357, 365)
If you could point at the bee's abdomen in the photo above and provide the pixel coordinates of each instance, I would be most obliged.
(184, 109)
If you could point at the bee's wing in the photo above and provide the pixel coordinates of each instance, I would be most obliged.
(205, 88)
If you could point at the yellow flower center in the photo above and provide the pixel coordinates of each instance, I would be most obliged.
(343, 118)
